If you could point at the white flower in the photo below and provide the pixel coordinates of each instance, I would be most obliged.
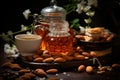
(23, 28)
(28, 32)
(93, 2)
(7, 48)
(10, 49)
(26, 13)
(88, 20)
(14, 48)
(90, 13)
(82, 29)
(86, 8)
(10, 32)
(80, 6)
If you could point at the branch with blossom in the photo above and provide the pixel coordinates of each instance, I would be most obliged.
(83, 8)
(9, 47)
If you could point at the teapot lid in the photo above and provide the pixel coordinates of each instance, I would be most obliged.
(53, 11)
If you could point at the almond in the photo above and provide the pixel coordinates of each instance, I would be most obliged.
(86, 54)
(52, 71)
(39, 52)
(29, 58)
(76, 54)
(24, 71)
(116, 66)
(46, 54)
(81, 37)
(50, 59)
(79, 57)
(110, 37)
(40, 72)
(6, 64)
(15, 66)
(59, 59)
(27, 76)
(93, 54)
(68, 58)
(39, 59)
(36, 56)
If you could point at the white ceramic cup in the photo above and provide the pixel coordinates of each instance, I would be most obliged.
(27, 44)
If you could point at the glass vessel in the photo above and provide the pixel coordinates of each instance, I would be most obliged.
(59, 39)
(54, 29)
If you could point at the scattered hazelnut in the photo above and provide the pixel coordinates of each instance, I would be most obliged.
(89, 69)
(81, 68)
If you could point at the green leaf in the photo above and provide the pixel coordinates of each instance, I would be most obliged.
(75, 23)
(75, 20)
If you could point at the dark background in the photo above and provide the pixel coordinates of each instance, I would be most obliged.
(11, 12)
(107, 13)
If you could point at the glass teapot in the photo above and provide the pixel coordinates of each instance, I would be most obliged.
(53, 12)
(54, 29)
(59, 40)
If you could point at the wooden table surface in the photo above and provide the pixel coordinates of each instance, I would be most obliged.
(73, 74)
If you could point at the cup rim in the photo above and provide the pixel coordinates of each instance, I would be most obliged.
(17, 36)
